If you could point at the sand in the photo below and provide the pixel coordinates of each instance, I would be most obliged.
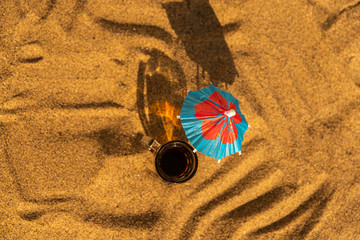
(82, 82)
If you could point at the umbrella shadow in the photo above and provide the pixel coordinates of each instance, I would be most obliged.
(200, 31)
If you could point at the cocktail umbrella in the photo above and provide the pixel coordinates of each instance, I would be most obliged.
(213, 122)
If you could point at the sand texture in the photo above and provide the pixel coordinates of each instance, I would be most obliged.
(83, 81)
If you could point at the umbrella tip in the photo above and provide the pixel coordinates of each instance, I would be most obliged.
(219, 160)
(239, 153)
(230, 113)
(178, 116)
(194, 151)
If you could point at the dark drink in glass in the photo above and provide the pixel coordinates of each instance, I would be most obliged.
(176, 162)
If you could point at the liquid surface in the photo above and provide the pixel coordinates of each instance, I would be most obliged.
(174, 162)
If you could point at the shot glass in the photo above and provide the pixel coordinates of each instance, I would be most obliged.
(175, 161)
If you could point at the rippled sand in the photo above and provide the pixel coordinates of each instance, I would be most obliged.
(82, 82)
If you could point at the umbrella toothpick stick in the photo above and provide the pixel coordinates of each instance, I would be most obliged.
(219, 160)
(178, 116)
(194, 151)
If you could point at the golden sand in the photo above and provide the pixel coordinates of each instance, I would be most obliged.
(81, 82)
